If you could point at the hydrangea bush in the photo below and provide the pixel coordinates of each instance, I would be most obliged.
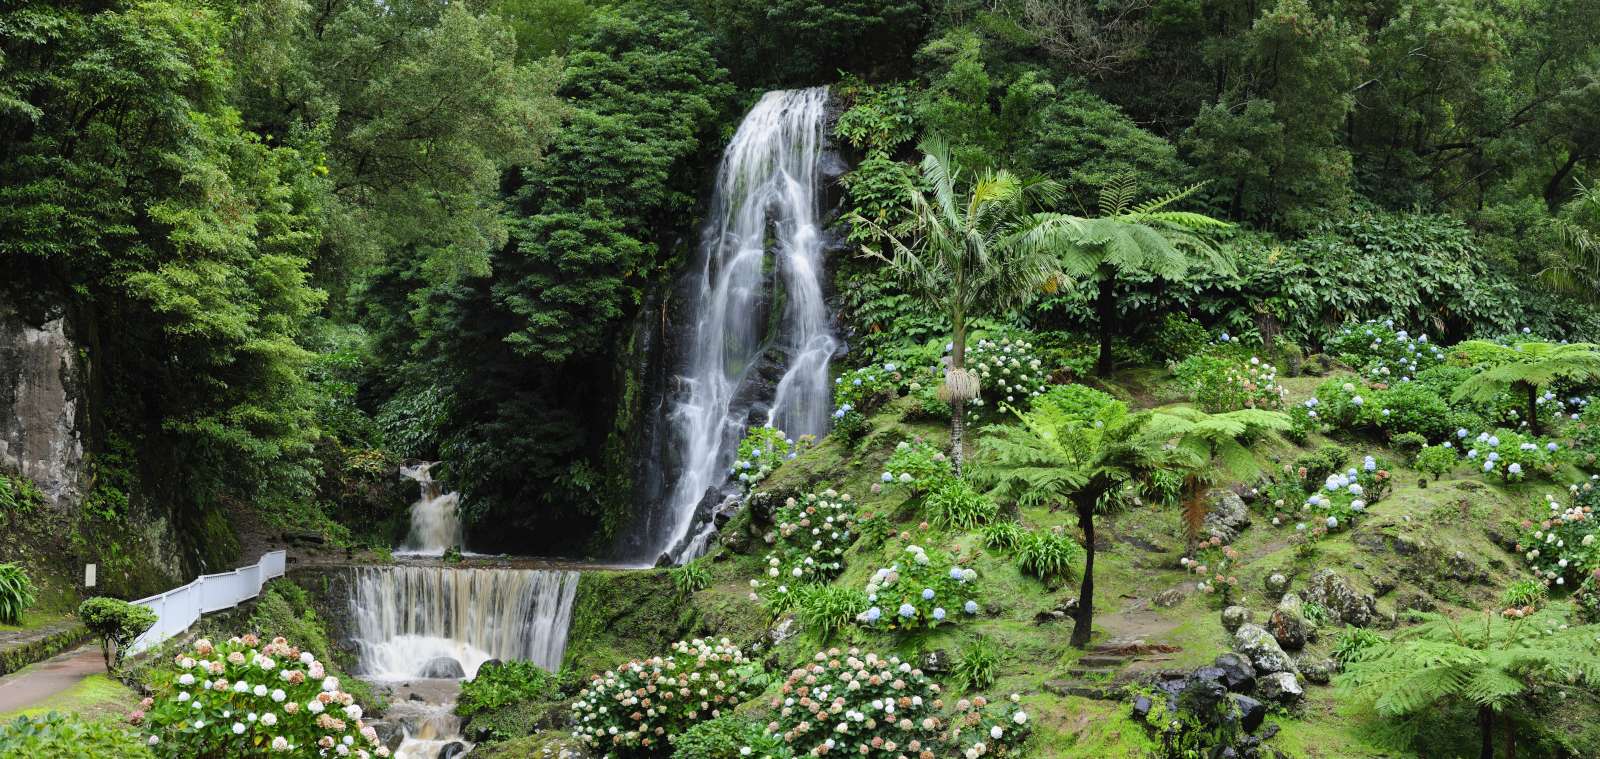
(1383, 353)
(1511, 457)
(1437, 460)
(983, 728)
(808, 539)
(920, 591)
(850, 703)
(917, 465)
(245, 698)
(1009, 373)
(1563, 548)
(1216, 565)
(762, 451)
(1219, 382)
(634, 709)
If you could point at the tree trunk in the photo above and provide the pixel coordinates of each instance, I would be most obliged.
(1083, 621)
(958, 360)
(1486, 728)
(1533, 410)
(1106, 312)
(957, 429)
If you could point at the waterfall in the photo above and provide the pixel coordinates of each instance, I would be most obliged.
(762, 245)
(435, 524)
(413, 622)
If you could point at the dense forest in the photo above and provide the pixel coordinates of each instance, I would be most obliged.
(298, 244)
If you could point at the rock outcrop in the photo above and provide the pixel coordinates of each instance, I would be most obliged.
(41, 404)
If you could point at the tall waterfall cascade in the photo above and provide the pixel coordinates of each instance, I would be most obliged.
(439, 622)
(762, 245)
(435, 522)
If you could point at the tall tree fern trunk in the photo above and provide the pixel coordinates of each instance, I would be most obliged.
(1106, 311)
(958, 361)
(1083, 620)
(1486, 727)
(957, 431)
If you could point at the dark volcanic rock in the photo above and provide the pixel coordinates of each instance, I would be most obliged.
(443, 668)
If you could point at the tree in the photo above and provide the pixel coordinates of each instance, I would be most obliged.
(1574, 266)
(1125, 239)
(1526, 368)
(1198, 439)
(1086, 458)
(967, 250)
(117, 623)
(1493, 668)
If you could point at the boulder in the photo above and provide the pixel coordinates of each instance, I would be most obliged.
(1276, 584)
(1227, 514)
(936, 662)
(1263, 651)
(1237, 672)
(452, 750)
(1287, 625)
(443, 668)
(1282, 688)
(1203, 691)
(1344, 603)
(1317, 670)
(1251, 711)
(1235, 616)
(1170, 597)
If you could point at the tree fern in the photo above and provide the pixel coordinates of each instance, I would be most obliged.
(1526, 368)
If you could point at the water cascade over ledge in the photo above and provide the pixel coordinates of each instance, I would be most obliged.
(435, 523)
(443, 623)
(761, 250)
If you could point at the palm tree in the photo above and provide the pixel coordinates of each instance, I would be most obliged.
(1144, 239)
(1525, 368)
(968, 249)
(1199, 440)
(1493, 667)
(1053, 457)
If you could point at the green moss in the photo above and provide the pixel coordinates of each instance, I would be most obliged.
(93, 696)
(547, 743)
(622, 615)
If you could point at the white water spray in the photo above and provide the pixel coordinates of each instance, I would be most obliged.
(435, 523)
(766, 201)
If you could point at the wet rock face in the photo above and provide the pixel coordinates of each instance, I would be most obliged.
(443, 668)
(1288, 625)
(1344, 603)
(1283, 688)
(40, 402)
(1227, 516)
(1258, 645)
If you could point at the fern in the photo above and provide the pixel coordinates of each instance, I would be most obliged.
(1526, 367)
(16, 593)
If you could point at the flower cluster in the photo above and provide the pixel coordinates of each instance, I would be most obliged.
(1008, 373)
(1385, 354)
(982, 728)
(922, 590)
(808, 540)
(243, 697)
(1562, 547)
(866, 388)
(1220, 382)
(1215, 564)
(918, 465)
(1511, 457)
(1338, 404)
(847, 703)
(1585, 432)
(636, 707)
(763, 450)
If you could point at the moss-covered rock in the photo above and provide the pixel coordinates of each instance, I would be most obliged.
(551, 743)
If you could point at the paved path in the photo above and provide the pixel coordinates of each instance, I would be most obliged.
(47, 678)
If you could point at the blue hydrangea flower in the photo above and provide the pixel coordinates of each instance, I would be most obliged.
(955, 573)
(908, 611)
(971, 607)
(938, 614)
(927, 594)
(888, 477)
(874, 614)
(1333, 522)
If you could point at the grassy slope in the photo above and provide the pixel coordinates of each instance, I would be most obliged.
(1436, 544)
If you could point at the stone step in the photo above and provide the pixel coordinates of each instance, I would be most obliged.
(1102, 660)
(1096, 691)
(1080, 670)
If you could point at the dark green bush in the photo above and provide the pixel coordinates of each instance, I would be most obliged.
(724, 738)
(116, 622)
(1179, 337)
(1324, 461)
(57, 735)
(1411, 407)
(1048, 556)
(498, 685)
(1409, 443)
(954, 504)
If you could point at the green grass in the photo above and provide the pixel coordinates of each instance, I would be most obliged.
(93, 696)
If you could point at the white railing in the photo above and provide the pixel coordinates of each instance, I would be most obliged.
(181, 607)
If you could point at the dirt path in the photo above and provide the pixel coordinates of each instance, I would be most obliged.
(47, 678)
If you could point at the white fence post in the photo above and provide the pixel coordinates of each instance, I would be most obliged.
(177, 609)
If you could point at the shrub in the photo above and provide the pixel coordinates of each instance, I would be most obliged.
(727, 737)
(1003, 536)
(1410, 408)
(1315, 467)
(1353, 643)
(917, 465)
(690, 577)
(1524, 595)
(1564, 545)
(809, 539)
(65, 735)
(1383, 353)
(116, 622)
(1510, 457)
(762, 451)
(633, 709)
(1302, 422)
(825, 609)
(954, 504)
(1409, 443)
(1344, 496)
(857, 704)
(1338, 404)
(1074, 401)
(1179, 337)
(1222, 383)
(980, 728)
(978, 663)
(1436, 460)
(16, 593)
(864, 390)
(921, 591)
(1009, 373)
(1215, 564)
(245, 698)
(499, 685)
(1048, 556)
